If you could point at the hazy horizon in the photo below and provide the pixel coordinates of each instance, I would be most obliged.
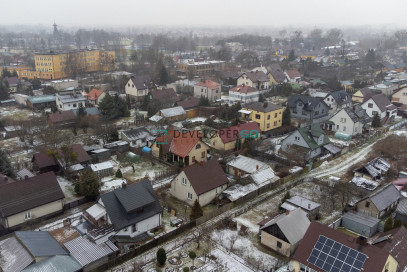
(211, 14)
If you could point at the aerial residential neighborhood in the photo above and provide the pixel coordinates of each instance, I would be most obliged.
(212, 136)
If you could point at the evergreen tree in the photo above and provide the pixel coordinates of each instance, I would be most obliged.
(5, 165)
(144, 104)
(196, 211)
(163, 76)
(88, 185)
(397, 223)
(388, 225)
(286, 196)
(113, 107)
(203, 101)
(161, 256)
(286, 117)
(327, 52)
(291, 56)
(376, 121)
(119, 173)
(4, 94)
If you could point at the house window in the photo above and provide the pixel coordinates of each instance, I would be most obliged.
(367, 205)
(27, 215)
(134, 228)
(74, 105)
(268, 125)
(184, 181)
(132, 85)
(344, 128)
(297, 139)
(189, 196)
(275, 115)
(193, 158)
(370, 105)
(275, 123)
(279, 244)
(203, 154)
(257, 116)
(268, 117)
(128, 84)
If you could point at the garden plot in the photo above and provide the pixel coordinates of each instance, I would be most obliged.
(18, 113)
(18, 151)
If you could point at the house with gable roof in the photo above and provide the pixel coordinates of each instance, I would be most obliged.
(95, 96)
(243, 94)
(284, 232)
(165, 97)
(338, 100)
(202, 181)
(232, 138)
(293, 76)
(276, 75)
(256, 79)
(381, 105)
(138, 86)
(312, 109)
(176, 146)
(208, 89)
(310, 142)
(362, 95)
(351, 121)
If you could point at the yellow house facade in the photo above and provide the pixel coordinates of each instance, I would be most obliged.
(60, 65)
(267, 115)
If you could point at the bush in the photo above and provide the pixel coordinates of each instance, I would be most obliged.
(192, 255)
(388, 225)
(185, 269)
(161, 256)
(119, 173)
(196, 211)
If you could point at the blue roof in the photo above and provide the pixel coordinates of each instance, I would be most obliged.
(40, 243)
(41, 99)
(55, 264)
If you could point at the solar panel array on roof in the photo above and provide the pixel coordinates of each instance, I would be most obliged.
(335, 257)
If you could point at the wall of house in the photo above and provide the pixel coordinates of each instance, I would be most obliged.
(244, 97)
(74, 105)
(142, 226)
(400, 96)
(271, 242)
(291, 140)
(37, 212)
(390, 265)
(216, 142)
(243, 79)
(344, 124)
(373, 108)
(197, 153)
(357, 97)
(266, 124)
(211, 94)
(370, 211)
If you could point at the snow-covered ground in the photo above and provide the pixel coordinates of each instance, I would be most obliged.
(111, 183)
(68, 188)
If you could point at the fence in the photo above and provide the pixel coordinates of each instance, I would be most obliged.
(336, 224)
(214, 213)
(75, 203)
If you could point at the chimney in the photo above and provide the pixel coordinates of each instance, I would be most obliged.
(124, 185)
(265, 105)
(287, 212)
(25, 177)
(257, 167)
(309, 206)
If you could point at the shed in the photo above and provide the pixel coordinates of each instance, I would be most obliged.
(360, 223)
(342, 136)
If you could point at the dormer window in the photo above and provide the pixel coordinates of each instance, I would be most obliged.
(198, 146)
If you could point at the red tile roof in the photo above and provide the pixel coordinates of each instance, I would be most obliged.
(206, 177)
(231, 134)
(94, 94)
(179, 143)
(376, 256)
(243, 89)
(62, 116)
(208, 83)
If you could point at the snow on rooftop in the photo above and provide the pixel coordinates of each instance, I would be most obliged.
(97, 211)
(247, 164)
(365, 183)
(101, 166)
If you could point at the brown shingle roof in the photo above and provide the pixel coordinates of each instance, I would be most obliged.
(43, 160)
(165, 95)
(376, 256)
(26, 194)
(62, 116)
(189, 103)
(381, 101)
(206, 177)
(293, 73)
(94, 94)
(257, 76)
(141, 82)
(179, 143)
(396, 245)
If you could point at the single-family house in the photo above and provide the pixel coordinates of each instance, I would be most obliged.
(202, 181)
(32, 198)
(175, 146)
(190, 105)
(133, 209)
(381, 105)
(232, 138)
(242, 165)
(41, 102)
(362, 224)
(338, 100)
(208, 89)
(284, 232)
(267, 115)
(138, 86)
(400, 98)
(311, 208)
(349, 121)
(380, 203)
(309, 142)
(312, 109)
(137, 137)
(174, 113)
(95, 96)
(70, 101)
(362, 95)
(326, 249)
(166, 98)
(401, 210)
(293, 76)
(256, 79)
(243, 94)
(276, 75)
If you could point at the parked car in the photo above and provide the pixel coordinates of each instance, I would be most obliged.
(176, 222)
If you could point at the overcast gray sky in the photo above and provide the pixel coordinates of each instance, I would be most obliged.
(318, 13)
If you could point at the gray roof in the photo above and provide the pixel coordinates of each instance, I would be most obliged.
(361, 219)
(341, 97)
(309, 102)
(86, 252)
(384, 197)
(122, 204)
(402, 206)
(55, 264)
(141, 82)
(303, 203)
(171, 112)
(89, 111)
(137, 133)
(67, 98)
(16, 257)
(40, 243)
(262, 107)
(293, 225)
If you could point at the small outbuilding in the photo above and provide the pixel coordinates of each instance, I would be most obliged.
(360, 223)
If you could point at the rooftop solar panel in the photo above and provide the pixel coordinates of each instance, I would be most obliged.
(332, 256)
